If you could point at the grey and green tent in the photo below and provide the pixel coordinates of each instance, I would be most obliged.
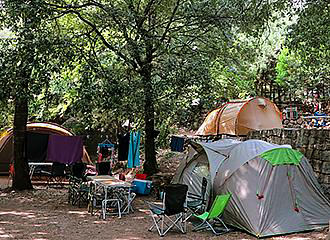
(274, 190)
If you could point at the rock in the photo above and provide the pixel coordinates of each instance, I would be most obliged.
(326, 168)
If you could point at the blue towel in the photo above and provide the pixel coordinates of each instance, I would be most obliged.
(134, 150)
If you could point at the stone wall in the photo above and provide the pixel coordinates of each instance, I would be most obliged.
(313, 143)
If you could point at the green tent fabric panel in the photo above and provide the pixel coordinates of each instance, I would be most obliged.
(282, 156)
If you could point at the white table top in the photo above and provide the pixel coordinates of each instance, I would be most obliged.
(109, 181)
(115, 183)
(100, 177)
(40, 163)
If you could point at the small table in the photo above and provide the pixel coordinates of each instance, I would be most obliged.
(33, 166)
(109, 183)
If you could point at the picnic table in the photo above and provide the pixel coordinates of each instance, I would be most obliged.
(33, 165)
(115, 190)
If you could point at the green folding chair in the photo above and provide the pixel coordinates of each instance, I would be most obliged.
(209, 219)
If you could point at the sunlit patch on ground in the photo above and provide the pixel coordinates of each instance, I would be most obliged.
(79, 212)
(16, 213)
(44, 214)
(4, 235)
(39, 233)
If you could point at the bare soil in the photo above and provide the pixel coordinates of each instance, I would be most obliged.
(43, 213)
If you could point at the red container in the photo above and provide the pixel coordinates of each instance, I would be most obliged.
(141, 176)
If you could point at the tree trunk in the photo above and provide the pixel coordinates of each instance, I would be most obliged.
(21, 178)
(150, 164)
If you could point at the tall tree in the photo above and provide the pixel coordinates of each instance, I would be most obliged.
(19, 71)
(309, 42)
(24, 68)
(141, 33)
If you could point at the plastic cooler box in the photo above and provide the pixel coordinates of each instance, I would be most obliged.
(141, 186)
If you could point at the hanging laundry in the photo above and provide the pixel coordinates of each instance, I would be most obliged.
(65, 149)
(99, 157)
(177, 144)
(134, 150)
(123, 145)
(36, 146)
(105, 151)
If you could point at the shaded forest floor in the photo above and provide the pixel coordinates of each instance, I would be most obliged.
(44, 214)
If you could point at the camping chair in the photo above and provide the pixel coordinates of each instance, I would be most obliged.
(196, 203)
(126, 197)
(95, 198)
(57, 174)
(78, 170)
(78, 191)
(172, 211)
(111, 202)
(103, 168)
(210, 218)
(78, 188)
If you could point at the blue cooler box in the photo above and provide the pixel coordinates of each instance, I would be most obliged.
(141, 186)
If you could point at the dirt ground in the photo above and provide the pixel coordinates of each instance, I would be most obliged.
(44, 213)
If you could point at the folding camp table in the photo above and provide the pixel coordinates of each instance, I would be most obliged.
(33, 166)
(109, 185)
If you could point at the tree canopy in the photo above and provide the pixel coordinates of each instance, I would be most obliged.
(93, 64)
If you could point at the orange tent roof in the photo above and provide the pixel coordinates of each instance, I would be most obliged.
(240, 117)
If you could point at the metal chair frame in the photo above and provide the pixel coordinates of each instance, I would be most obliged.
(210, 218)
(163, 220)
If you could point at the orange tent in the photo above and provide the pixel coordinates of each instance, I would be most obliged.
(240, 117)
(6, 141)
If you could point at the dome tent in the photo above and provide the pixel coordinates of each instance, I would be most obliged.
(274, 190)
(239, 117)
(202, 160)
(6, 141)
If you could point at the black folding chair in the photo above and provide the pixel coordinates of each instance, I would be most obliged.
(78, 191)
(57, 174)
(103, 168)
(78, 170)
(78, 187)
(172, 211)
(197, 203)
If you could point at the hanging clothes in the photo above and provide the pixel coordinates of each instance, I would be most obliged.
(99, 157)
(123, 145)
(36, 146)
(177, 144)
(105, 151)
(134, 150)
(65, 149)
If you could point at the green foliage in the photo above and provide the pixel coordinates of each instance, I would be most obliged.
(309, 39)
(6, 116)
(164, 132)
(88, 59)
(282, 67)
